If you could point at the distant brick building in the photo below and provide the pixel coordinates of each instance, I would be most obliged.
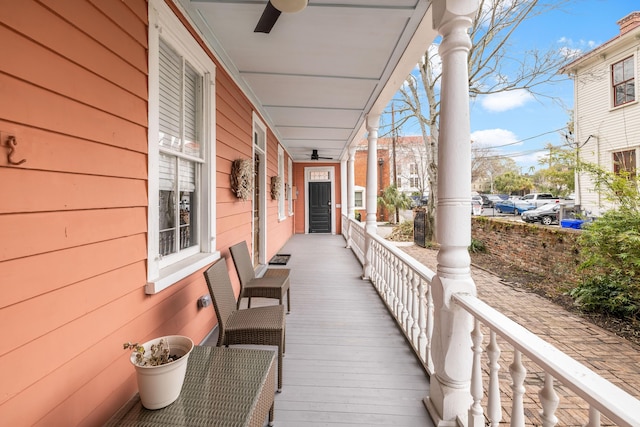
(408, 169)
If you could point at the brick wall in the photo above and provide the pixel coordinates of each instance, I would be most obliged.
(548, 251)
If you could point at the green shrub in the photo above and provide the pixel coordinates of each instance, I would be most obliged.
(477, 246)
(608, 294)
(402, 232)
(611, 263)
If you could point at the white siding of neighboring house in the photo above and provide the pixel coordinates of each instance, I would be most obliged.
(613, 129)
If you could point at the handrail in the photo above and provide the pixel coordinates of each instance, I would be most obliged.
(404, 284)
(619, 406)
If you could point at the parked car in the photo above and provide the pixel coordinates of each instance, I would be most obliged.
(513, 206)
(492, 199)
(546, 214)
(540, 199)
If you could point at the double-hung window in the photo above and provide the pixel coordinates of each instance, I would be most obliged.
(181, 152)
(624, 163)
(623, 80)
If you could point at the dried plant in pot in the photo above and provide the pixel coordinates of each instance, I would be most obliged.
(161, 365)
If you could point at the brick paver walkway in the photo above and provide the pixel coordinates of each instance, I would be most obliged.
(612, 357)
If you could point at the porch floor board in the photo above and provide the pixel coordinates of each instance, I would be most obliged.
(346, 362)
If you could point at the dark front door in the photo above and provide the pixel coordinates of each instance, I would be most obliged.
(319, 207)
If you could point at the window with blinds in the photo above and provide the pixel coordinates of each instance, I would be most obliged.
(181, 154)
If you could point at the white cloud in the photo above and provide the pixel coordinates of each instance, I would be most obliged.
(493, 137)
(504, 101)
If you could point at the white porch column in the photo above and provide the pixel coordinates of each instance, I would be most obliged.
(351, 204)
(371, 225)
(351, 183)
(450, 396)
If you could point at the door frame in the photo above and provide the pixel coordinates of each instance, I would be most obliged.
(260, 149)
(332, 180)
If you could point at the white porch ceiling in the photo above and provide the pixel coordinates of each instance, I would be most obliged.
(319, 72)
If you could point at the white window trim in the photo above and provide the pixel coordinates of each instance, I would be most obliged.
(290, 187)
(612, 100)
(281, 214)
(259, 127)
(163, 22)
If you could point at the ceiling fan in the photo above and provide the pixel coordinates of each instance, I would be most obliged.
(272, 12)
(315, 156)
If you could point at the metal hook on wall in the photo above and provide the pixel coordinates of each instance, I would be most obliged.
(11, 142)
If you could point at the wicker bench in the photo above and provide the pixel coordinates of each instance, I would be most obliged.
(223, 387)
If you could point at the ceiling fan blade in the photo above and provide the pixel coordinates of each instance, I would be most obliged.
(315, 156)
(268, 19)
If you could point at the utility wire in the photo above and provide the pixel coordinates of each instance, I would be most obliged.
(526, 139)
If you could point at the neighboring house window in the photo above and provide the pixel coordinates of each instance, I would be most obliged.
(281, 214)
(181, 156)
(358, 199)
(413, 182)
(413, 169)
(624, 162)
(623, 78)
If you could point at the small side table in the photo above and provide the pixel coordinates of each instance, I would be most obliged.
(223, 387)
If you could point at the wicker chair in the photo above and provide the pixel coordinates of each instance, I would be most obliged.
(256, 326)
(273, 284)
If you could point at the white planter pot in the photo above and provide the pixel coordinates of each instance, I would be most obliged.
(160, 386)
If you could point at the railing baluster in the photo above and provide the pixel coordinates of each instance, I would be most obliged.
(402, 307)
(388, 276)
(396, 287)
(430, 315)
(408, 305)
(594, 417)
(415, 308)
(494, 406)
(423, 339)
(476, 417)
(518, 374)
(549, 401)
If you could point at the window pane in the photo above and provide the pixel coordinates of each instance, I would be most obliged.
(631, 91)
(167, 172)
(188, 209)
(619, 95)
(170, 90)
(628, 68)
(319, 175)
(357, 200)
(192, 110)
(618, 73)
(167, 222)
(188, 235)
(187, 175)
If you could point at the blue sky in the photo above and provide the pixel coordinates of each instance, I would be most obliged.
(525, 123)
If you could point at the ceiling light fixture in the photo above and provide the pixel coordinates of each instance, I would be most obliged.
(289, 6)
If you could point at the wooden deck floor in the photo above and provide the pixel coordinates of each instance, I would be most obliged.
(346, 362)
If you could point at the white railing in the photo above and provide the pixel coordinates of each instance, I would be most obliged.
(549, 369)
(536, 368)
(355, 237)
(404, 285)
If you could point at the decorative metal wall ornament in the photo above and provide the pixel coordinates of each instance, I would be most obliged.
(11, 143)
(276, 184)
(242, 178)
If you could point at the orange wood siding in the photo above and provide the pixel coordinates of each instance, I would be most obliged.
(73, 218)
(73, 228)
